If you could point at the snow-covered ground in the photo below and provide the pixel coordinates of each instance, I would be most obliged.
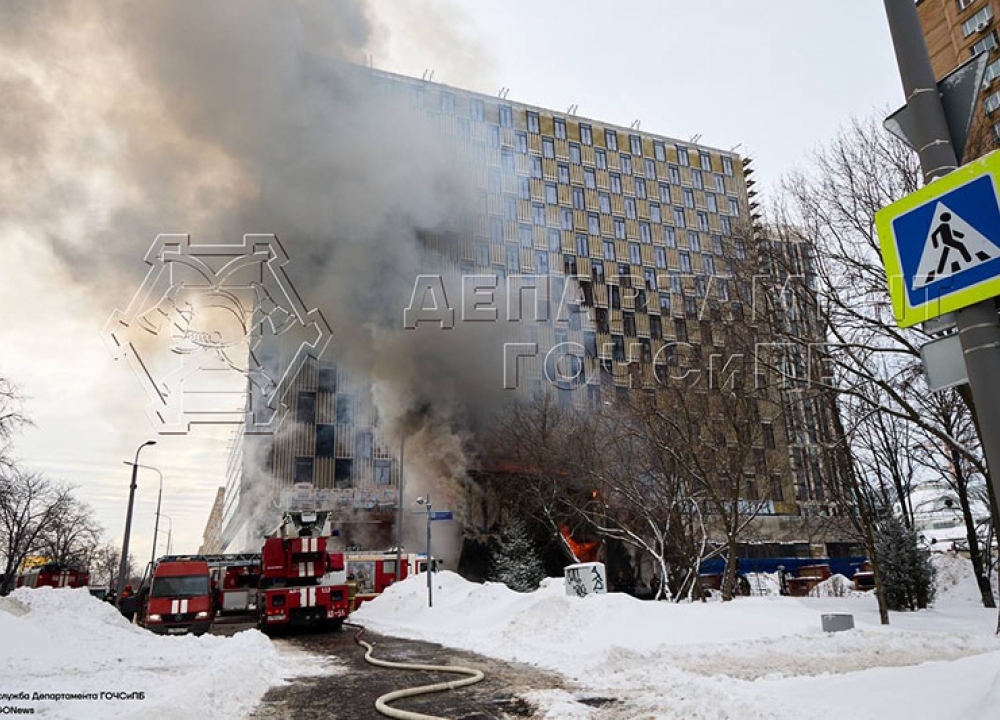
(64, 641)
(762, 657)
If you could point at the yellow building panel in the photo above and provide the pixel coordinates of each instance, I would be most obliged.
(586, 152)
(628, 298)
(600, 295)
(647, 254)
(535, 143)
(617, 204)
(496, 254)
(509, 230)
(523, 213)
(537, 188)
(606, 225)
(590, 199)
(522, 164)
(614, 161)
(549, 168)
(580, 220)
(603, 182)
(631, 229)
(551, 217)
(507, 136)
(576, 174)
(583, 266)
(568, 241)
(546, 124)
(642, 209)
(621, 250)
(562, 149)
(642, 325)
(565, 195)
(527, 260)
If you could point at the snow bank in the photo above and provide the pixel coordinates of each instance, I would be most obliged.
(66, 641)
(744, 659)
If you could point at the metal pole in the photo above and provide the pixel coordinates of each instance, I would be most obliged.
(399, 514)
(156, 525)
(123, 565)
(430, 565)
(977, 325)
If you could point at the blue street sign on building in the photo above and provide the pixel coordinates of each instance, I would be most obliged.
(441, 515)
(941, 244)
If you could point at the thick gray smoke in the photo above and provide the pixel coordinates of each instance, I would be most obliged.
(125, 120)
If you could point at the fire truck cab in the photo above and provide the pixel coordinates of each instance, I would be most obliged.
(52, 575)
(179, 597)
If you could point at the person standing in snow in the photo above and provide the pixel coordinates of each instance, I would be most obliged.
(127, 603)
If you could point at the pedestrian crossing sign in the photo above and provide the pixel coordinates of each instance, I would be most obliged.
(941, 244)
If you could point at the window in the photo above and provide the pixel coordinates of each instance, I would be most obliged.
(521, 140)
(727, 166)
(493, 136)
(962, 4)
(569, 268)
(977, 21)
(593, 224)
(574, 153)
(507, 116)
(650, 169)
(562, 173)
(303, 469)
(717, 244)
(674, 174)
(675, 284)
(682, 156)
(600, 159)
(708, 264)
(634, 255)
(711, 202)
(627, 164)
(611, 139)
(722, 285)
(482, 255)
(992, 72)
(616, 298)
(555, 240)
(693, 242)
(654, 213)
(645, 235)
(597, 268)
(589, 178)
(635, 145)
(703, 221)
(327, 380)
(604, 203)
(343, 469)
(640, 188)
(630, 208)
(542, 263)
(659, 152)
(681, 330)
(665, 303)
(383, 472)
(679, 220)
(669, 236)
(705, 160)
(768, 432)
(578, 198)
(325, 440)
(664, 193)
(536, 166)
(551, 194)
(586, 134)
(447, 103)
(477, 110)
(619, 224)
(720, 184)
(524, 188)
(616, 183)
(363, 444)
(727, 227)
(740, 248)
(538, 214)
(513, 260)
(559, 127)
(548, 147)
(582, 246)
(533, 122)
(306, 411)
(734, 206)
(507, 160)
(660, 258)
(628, 322)
(690, 306)
(688, 197)
(685, 262)
(524, 233)
(609, 250)
(992, 102)
(567, 219)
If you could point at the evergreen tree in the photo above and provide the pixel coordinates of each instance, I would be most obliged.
(908, 576)
(515, 559)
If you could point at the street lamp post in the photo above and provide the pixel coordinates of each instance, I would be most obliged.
(123, 565)
(430, 582)
(159, 498)
(170, 532)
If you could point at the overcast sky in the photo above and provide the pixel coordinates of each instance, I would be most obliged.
(771, 78)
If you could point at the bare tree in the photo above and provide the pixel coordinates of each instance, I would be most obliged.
(71, 536)
(29, 504)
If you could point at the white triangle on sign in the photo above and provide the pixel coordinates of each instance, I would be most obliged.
(952, 247)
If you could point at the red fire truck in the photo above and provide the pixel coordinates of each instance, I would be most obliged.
(179, 599)
(294, 562)
(53, 574)
(374, 571)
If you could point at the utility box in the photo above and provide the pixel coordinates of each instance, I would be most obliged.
(585, 579)
(837, 622)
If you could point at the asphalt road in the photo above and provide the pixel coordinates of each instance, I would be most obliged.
(350, 694)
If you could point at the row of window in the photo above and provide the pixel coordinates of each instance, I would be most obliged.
(343, 472)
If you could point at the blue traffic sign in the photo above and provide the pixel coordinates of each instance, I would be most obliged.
(941, 244)
(441, 515)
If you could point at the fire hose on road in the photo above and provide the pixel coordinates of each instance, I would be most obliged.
(382, 702)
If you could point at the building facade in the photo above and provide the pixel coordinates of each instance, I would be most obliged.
(644, 233)
(956, 31)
